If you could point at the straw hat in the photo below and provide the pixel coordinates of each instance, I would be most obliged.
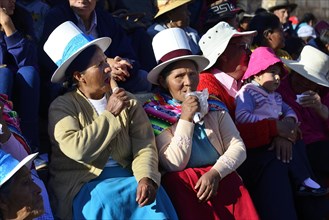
(260, 59)
(312, 64)
(272, 5)
(9, 165)
(65, 43)
(168, 5)
(214, 42)
(171, 45)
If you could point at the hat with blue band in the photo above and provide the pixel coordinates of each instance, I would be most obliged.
(9, 165)
(65, 43)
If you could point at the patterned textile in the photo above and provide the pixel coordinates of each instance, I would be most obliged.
(12, 120)
(164, 111)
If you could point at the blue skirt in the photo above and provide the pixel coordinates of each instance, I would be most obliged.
(112, 195)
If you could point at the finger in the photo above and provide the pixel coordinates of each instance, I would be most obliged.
(205, 194)
(278, 151)
(201, 190)
(284, 156)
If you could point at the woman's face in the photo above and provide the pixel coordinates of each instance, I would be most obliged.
(276, 39)
(94, 82)
(179, 17)
(182, 78)
(24, 200)
(300, 84)
(235, 58)
(9, 5)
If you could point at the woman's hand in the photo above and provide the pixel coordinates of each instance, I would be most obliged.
(119, 68)
(118, 101)
(6, 23)
(189, 107)
(313, 100)
(288, 129)
(5, 133)
(283, 148)
(146, 191)
(207, 185)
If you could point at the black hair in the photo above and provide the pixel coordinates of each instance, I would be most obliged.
(80, 63)
(262, 23)
(5, 190)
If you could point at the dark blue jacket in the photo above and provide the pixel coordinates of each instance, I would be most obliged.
(19, 49)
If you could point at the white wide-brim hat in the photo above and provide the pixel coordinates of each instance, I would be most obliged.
(214, 42)
(312, 64)
(9, 165)
(171, 45)
(65, 43)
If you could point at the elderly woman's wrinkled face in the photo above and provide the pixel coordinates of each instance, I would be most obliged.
(23, 198)
(283, 14)
(183, 77)
(94, 82)
(8, 6)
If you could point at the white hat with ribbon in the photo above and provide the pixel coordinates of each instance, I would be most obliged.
(65, 43)
(171, 45)
(312, 64)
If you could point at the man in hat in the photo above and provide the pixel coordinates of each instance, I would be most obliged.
(282, 9)
(20, 197)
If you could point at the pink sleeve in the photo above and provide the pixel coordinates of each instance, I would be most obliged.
(15, 148)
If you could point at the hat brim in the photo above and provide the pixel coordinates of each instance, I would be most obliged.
(170, 7)
(222, 47)
(304, 71)
(59, 74)
(22, 163)
(215, 18)
(153, 75)
(292, 7)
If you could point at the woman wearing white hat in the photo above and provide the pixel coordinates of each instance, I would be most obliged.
(104, 163)
(198, 143)
(306, 91)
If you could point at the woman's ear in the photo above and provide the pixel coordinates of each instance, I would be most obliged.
(267, 34)
(78, 76)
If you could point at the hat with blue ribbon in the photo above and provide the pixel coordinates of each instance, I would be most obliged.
(65, 43)
(9, 165)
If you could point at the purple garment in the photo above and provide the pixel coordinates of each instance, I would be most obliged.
(254, 104)
(313, 127)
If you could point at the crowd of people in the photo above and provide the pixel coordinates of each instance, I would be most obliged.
(167, 109)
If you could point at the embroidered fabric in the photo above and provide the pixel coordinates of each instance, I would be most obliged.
(181, 141)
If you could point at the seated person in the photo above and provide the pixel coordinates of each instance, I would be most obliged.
(95, 22)
(13, 142)
(175, 14)
(257, 100)
(19, 196)
(19, 76)
(309, 80)
(199, 157)
(104, 163)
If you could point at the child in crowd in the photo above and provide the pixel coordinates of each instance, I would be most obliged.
(257, 100)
